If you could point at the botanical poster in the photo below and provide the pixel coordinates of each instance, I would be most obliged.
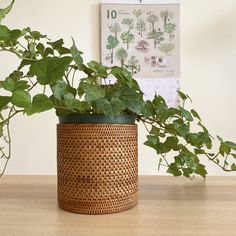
(143, 37)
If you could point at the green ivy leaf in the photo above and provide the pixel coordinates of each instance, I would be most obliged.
(104, 106)
(5, 11)
(224, 148)
(25, 63)
(59, 89)
(50, 69)
(69, 99)
(195, 114)
(98, 68)
(174, 170)
(93, 92)
(152, 141)
(233, 167)
(154, 130)
(76, 54)
(186, 114)
(12, 84)
(181, 128)
(184, 96)
(40, 103)
(231, 145)
(4, 100)
(172, 142)
(21, 98)
(37, 35)
(56, 44)
(5, 33)
(133, 100)
(47, 51)
(117, 105)
(201, 170)
(113, 107)
(199, 151)
(148, 109)
(81, 106)
(40, 47)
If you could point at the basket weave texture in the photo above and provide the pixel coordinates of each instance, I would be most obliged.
(97, 167)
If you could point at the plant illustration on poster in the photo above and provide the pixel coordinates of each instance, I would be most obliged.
(145, 39)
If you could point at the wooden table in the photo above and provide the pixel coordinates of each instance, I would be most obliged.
(167, 206)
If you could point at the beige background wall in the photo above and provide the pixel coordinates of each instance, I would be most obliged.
(208, 53)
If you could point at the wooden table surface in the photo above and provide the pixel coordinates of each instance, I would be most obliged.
(167, 206)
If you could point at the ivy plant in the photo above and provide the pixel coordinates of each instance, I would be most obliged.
(51, 67)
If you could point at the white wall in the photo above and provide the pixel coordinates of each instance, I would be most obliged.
(208, 52)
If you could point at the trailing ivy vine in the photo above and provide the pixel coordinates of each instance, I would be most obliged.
(52, 67)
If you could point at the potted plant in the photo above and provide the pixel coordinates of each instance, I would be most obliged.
(96, 134)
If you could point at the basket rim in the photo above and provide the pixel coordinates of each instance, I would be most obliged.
(78, 118)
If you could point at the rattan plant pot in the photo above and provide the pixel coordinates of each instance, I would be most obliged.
(97, 166)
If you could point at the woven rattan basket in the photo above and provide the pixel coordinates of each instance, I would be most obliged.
(97, 167)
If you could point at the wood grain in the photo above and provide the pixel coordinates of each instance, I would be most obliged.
(167, 206)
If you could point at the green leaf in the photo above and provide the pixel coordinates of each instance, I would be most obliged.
(59, 89)
(117, 105)
(40, 47)
(98, 68)
(172, 142)
(174, 170)
(40, 103)
(148, 109)
(5, 33)
(132, 99)
(233, 155)
(12, 84)
(56, 44)
(155, 130)
(9, 36)
(80, 89)
(186, 114)
(24, 63)
(152, 141)
(47, 51)
(195, 114)
(231, 145)
(69, 99)
(233, 167)
(5, 11)
(80, 106)
(201, 170)
(93, 92)
(158, 100)
(37, 35)
(181, 128)
(173, 112)
(199, 151)
(113, 107)
(184, 96)
(21, 98)
(76, 54)
(224, 148)
(50, 69)
(104, 106)
(203, 127)
(186, 172)
(4, 100)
